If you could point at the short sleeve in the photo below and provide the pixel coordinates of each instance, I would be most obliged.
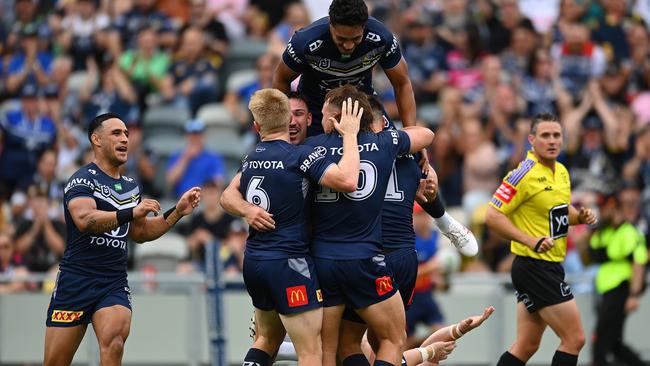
(511, 192)
(392, 54)
(314, 163)
(641, 251)
(399, 142)
(78, 187)
(293, 56)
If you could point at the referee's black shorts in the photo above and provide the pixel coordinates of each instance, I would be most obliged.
(539, 283)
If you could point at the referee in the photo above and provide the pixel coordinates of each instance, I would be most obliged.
(532, 208)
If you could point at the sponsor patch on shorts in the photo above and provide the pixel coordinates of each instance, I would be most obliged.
(297, 296)
(384, 285)
(66, 316)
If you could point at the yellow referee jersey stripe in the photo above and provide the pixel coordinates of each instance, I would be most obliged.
(536, 200)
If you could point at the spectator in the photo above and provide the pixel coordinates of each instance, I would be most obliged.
(127, 25)
(237, 100)
(9, 268)
(579, 60)
(26, 19)
(295, 17)
(425, 58)
(571, 11)
(29, 67)
(541, 89)
(231, 14)
(463, 61)
(192, 80)
(501, 24)
(107, 89)
(517, 56)
(609, 30)
(25, 134)
(211, 225)
(146, 66)
(235, 243)
(194, 165)
(481, 168)
(216, 41)
(639, 79)
(44, 179)
(39, 239)
(637, 169)
(84, 33)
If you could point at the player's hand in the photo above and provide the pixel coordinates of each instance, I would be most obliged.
(586, 216)
(424, 160)
(350, 118)
(543, 244)
(259, 219)
(631, 304)
(145, 207)
(428, 188)
(474, 322)
(189, 201)
(440, 350)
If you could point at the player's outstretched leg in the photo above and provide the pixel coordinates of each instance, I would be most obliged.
(457, 233)
(388, 322)
(61, 344)
(111, 325)
(305, 332)
(268, 337)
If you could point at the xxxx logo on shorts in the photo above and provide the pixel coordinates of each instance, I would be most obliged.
(66, 316)
(297, 296)
(319, 295)
(384, 285)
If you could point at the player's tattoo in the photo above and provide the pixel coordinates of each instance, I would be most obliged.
(93, 227)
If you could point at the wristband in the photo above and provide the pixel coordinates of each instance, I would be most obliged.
(425, 354)
(168, 212)
(460, 334)
(539, 244)
(451, 332)
(124, 216)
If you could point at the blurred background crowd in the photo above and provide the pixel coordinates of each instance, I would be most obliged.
(180, 73)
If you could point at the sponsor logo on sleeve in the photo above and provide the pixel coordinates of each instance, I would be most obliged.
(505, 193)
(78, 182)
(315, 45)
(393, 47)
(384, 285)
(297, 296)
(66, 316)
(292, 53)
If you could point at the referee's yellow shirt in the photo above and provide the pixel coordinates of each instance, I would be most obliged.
(536, 200)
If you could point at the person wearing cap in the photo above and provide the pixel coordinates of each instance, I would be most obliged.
(620, 250)
(532, 208)
(29, 66)
(24, 134)
(194, 165)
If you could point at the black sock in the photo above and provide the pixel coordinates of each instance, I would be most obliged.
(382, 363)
(404, 361)
(257, 357)
(508, 359)
(564, 359)
(357, 359)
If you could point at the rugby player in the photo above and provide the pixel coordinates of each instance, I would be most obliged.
(102, 208)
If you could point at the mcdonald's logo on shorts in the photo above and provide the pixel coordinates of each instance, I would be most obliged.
(65, 316)
(384, 285)
(319, 295)
(297, 296)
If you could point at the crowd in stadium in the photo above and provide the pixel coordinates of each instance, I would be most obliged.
(480, 70)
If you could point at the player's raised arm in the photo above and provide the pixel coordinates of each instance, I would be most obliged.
(421, 137)
(145, 228)
(234, 203)
(344, 176)
(283, 77)
(399, 78)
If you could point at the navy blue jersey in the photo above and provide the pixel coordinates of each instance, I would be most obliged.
(348, 225)
(276, 176)
(312, 53)
(397, 215)
(91, 253)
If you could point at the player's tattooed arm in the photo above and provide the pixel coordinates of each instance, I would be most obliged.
(92, 226)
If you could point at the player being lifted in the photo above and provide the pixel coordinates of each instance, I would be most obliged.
(341, 49)
(278, 271)
(101, 209)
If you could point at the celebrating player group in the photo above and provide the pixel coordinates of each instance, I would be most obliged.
(328, 194)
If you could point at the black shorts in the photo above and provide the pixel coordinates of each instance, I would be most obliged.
(539, 283)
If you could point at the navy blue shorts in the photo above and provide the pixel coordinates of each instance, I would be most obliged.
(76, 298)
(424, 309)
(357, 283)
(404, 265)
(288, 286)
